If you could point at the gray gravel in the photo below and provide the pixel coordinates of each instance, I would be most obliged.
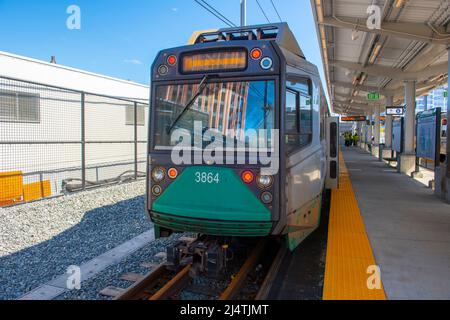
(90, 289)
(38, 241)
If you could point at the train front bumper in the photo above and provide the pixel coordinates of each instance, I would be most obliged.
(212, 227)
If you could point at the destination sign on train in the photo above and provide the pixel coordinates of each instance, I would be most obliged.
(215, 61)
(353, 118)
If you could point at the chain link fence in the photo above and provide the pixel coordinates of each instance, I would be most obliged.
(55, 141)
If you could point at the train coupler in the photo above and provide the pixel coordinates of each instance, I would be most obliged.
(206, 256)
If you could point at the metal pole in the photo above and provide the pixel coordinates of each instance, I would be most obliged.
(135, 141)
(410, 116)
(388, 124)
(83, 140)
(243, 13)
(377, 133)
(447, 161)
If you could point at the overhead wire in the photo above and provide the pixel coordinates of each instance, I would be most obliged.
(205, 5)
(219, 13)
(275, 8)
(262, 10)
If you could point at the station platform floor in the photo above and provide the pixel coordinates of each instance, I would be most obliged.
(385, 218)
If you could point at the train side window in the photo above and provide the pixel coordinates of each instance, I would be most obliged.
(292, 120)
(305, 120)
(298, 116)
(291, 112)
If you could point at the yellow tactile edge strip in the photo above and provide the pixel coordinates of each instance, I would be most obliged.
(350, 270)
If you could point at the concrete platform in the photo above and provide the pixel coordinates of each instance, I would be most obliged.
(408, 228)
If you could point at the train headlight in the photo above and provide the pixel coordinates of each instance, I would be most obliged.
(158, 174)
(163, 70)
(264, 182)
(156, 190)
(267, 198)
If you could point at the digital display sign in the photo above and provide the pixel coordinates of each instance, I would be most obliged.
(213, 61)
(353, 118)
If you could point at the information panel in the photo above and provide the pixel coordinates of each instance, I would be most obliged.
(397, 135)
(394, 111)
(428, 128)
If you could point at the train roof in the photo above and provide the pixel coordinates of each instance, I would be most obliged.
(278, 32)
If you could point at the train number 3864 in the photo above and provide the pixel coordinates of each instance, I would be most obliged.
(205, 177)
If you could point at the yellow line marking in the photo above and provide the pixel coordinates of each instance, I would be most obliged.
(349, 253)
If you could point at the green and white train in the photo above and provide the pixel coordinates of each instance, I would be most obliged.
(221, 86)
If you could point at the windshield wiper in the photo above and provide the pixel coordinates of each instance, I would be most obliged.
(201, 88)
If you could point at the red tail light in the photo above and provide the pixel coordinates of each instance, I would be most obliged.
(248, 177)
(172, 173)
(172, 60)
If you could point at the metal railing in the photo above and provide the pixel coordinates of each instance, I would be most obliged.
(55, 140)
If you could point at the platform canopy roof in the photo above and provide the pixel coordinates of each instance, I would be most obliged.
(362, 56)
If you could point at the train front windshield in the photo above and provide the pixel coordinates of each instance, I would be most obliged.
(231, 108)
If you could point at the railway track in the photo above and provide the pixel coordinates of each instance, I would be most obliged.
(252, 282)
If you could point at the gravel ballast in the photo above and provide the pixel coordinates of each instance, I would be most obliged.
(39, 241)
(90, 289)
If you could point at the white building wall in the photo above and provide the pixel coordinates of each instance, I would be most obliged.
(60, 121)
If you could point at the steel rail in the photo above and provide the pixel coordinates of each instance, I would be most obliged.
(146, 289)
(137, 290)
(238, 282)
(266, 286)
(174, 286)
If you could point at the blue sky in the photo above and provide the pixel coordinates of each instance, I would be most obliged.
(121, 38)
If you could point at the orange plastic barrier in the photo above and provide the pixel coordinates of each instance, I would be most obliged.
(11, 188)
(13, 191)
(36, 191)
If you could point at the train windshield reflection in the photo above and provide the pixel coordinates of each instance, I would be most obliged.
(228, 107)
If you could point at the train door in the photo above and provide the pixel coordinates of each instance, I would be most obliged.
(332, 181)
(303, 150)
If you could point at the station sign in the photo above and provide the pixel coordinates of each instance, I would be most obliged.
(445, 94)
(373, 96)
(395, 111)
(353, 119)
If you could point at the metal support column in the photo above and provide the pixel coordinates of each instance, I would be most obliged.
(243, 13)
(370, 130)
(387, 152)
(388, 124)
(364, 132)
(376, 134)
(135, 141)
(407, 163)
(83, 140)
(447, 162)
